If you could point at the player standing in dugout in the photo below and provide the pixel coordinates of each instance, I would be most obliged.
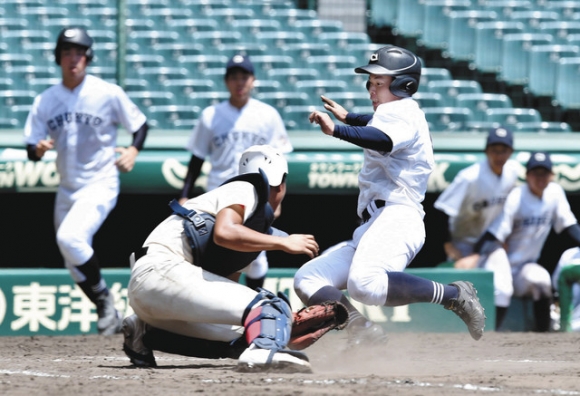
(79, 118)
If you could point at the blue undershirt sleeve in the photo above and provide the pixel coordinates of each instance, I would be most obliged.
(365, 137)
(355, 119)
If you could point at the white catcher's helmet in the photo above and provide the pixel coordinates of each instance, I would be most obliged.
(267, 158)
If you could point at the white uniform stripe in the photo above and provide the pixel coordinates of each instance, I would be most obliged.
(437, 293)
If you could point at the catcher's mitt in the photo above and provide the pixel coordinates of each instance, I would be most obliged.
(311, 323)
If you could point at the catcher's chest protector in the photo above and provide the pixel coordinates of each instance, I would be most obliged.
(199, 230)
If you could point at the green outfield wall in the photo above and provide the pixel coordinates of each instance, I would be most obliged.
(47, 302)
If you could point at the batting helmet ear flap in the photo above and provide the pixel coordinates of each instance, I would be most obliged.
(404, 86)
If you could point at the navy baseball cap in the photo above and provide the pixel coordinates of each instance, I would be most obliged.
(240, 62)
(539, 159)
(500, 135)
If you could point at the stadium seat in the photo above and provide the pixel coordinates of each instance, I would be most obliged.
(429, 74)
(163, 16)
(243, 48)
(38, 85)
(315, 88)
(543, 66)
(105, 54)
(282, 99)
(505, 8)
(183, 87)
(38, 15)
(158, 75)
(172, 116)
(383, 12)
(296, 117)
(264, 63)
(205, 99)
(133, 24)
(172, 51)
(228, 15)
(196, 64)
(146, 39)
(449, 89)
(216, 38)
(512, 116)
(105, 16)
(8, 123)
(289, 77)
(55, 25)
(7, 83)
(436, 23)
(410, 18)
(461, 44)
(429, 99)
(9, 60)
(300, 52)
(145, 60)
(480, 102)
(261, 86)
(447, 118)
(108, 73)
(341, 40)
(135, 84)
(289, 17)
(565, 8)
(21, 74)
(13, 23)
(10, 98)
(193, 25)
(480, 126)
(488, 43)
(250, 27)
(560, 29)
(146, 99)
(326, 64)
(279, 39)
(263, 8)
(363, 52)
(516, 53)
(19, 38)
(312, 28)
(543, 127)
(533, 18)
(567, 91)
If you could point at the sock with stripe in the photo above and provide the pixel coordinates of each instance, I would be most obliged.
(407, 289)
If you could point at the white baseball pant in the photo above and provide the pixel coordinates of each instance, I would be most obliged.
(78, 215)
(387, 242)
(174, 295)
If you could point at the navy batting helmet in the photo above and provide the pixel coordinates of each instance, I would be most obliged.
(399, 63)
(73, 36)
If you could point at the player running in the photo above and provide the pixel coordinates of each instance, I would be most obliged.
(79, 119)
(398, 159)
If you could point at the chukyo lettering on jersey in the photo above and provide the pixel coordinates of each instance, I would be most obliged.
(68, 118)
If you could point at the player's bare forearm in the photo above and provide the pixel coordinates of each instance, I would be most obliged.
(467, 262)
(322, 119)
(42, 147)
(126, 160)
(337, 110)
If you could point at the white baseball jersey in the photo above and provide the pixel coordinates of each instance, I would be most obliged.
(400, 176)
(224, 132)
(474, 198)
(83, 124)
(526, 221)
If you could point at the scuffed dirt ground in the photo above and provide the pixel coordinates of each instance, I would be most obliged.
(410, 364)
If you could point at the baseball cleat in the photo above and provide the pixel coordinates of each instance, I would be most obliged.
(367, 335)
(133, 330)
(110, 320)
(468, 308)
(255, 359)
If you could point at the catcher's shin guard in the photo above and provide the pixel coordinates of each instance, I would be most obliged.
(268, 326)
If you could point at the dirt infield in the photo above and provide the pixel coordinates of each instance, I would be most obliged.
(410, 364)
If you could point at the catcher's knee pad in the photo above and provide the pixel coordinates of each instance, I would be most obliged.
(269, 324)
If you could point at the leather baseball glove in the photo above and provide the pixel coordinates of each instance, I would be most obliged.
(311, 323)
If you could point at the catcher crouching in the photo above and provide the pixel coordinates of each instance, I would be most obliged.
(180, 288)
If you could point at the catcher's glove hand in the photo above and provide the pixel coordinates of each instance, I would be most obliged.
(311, 323)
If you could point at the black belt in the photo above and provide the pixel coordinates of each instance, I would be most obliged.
(366, 215)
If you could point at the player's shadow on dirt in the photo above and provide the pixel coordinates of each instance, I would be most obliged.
(224, 367)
